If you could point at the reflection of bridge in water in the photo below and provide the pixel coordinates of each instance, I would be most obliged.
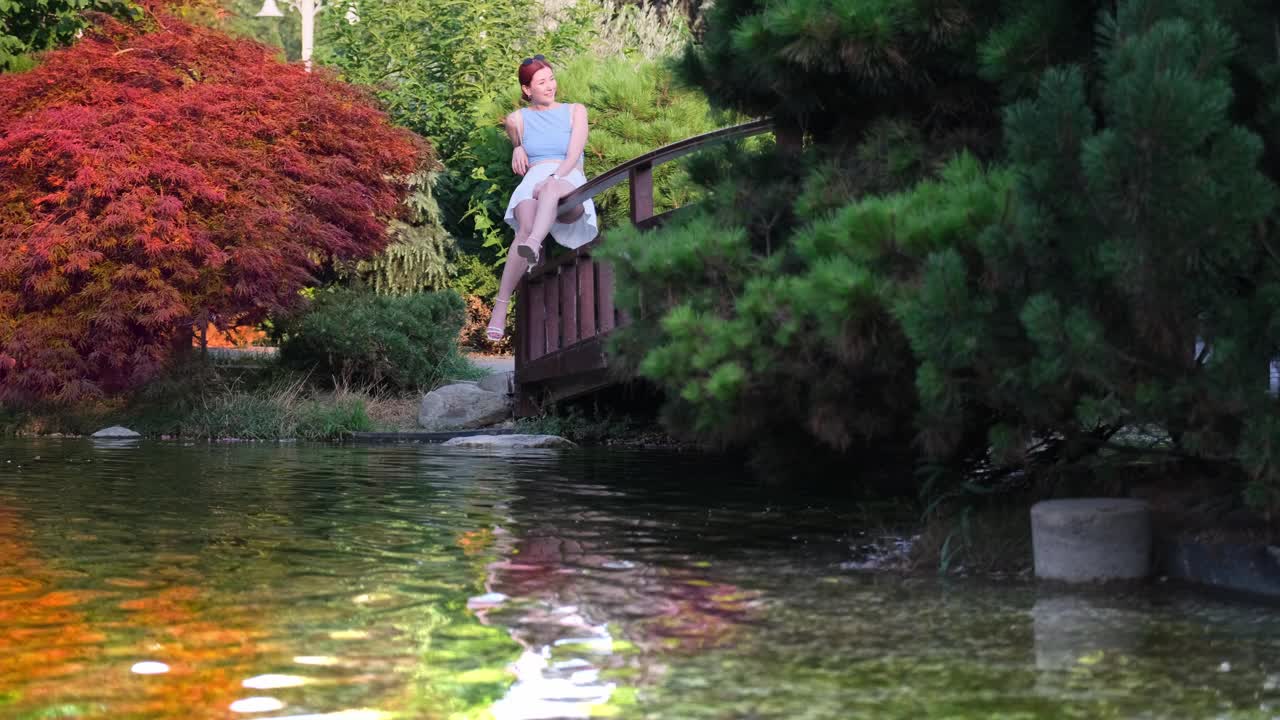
(579, 609)
(565, 308)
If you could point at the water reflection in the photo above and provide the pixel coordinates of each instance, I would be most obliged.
(1075, 629)
(317, 582)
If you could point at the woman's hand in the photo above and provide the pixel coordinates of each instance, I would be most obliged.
(519, 161)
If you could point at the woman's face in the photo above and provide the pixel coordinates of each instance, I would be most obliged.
(542, 88)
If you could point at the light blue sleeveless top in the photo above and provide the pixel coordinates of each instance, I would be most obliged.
(546, 132)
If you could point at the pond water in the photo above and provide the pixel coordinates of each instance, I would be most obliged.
(164, 581)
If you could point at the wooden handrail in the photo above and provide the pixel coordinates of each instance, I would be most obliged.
(666, 153)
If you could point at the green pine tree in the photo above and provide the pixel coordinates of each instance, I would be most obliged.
(1021, 235)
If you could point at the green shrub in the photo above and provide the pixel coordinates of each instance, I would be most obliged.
(259, 415)
(624, 29)
(433, 63)
(330, 417)
(747, 342)
(364, 339)
(28, 28)
(416, 258)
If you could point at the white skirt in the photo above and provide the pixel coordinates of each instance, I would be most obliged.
(571, 235)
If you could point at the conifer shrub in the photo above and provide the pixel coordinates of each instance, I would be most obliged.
(1032, 249)
(807, 335)
(1134, 285)
(362, 339)
(416, 258)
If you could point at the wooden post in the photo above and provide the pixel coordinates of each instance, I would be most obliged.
(520, 339)
(551, 300)
(604, 298)
(569, 305)
(790, 139)
(641, 192)
(535, 296)
(587, 298)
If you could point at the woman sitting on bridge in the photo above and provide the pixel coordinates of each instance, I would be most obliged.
(549, 138)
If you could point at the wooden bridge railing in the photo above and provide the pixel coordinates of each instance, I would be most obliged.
(565, 308)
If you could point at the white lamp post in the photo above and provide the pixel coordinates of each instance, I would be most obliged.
(307, 9)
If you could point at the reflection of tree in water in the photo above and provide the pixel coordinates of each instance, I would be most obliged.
(77, 644)
(43, 637)
(125, 565)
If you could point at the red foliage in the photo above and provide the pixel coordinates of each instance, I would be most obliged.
(148, 178)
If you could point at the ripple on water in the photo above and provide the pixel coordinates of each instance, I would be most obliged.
(160, 581)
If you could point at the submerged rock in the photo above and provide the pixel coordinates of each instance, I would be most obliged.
(462, 406)
(116, 431)
(510, 441)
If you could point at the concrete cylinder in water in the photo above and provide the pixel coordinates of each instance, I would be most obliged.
(1091, 539)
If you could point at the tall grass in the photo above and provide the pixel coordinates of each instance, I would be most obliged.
(285, 409)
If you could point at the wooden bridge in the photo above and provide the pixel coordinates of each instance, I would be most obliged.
(564, 308)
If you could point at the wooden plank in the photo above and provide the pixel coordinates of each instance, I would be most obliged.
(641, 193)
(586, 298)
(554, 391)
(605, 319)
(537, 322)
(559, 262)
(569, 305)
(551, 298)
(586, 356)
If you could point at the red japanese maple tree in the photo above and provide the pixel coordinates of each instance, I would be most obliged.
(151, 176)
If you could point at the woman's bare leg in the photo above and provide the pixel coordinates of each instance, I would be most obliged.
(548, 201)
(514, 267)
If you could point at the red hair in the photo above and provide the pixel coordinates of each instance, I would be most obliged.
(527, 71)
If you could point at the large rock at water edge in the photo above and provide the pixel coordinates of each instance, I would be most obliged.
(462, 406)
(116, 431)
(1090, 539)
(510, 441)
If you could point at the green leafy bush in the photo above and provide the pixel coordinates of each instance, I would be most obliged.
(365, 339)
(433, 63)
(28, 27)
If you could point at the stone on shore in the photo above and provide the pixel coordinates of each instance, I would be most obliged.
(1091, 539)
(116, 431)
(462, 406)
(510, 442)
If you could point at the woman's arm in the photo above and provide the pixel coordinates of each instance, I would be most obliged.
(514, 125)
(577, 141)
